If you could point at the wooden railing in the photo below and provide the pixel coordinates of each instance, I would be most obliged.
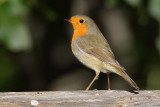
(92, 98)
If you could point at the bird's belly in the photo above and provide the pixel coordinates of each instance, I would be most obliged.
(89, 61)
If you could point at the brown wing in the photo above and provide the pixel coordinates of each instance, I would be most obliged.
(97, 46)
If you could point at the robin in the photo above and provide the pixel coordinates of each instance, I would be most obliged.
(92, 49)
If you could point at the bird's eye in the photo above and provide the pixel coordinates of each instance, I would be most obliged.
(81, 21)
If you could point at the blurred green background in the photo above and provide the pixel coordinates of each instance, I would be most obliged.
(35, 52)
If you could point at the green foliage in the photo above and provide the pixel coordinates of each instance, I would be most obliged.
(2, 1)
(154, 10)
(154, 7)
(14, 37)
(111, 3)
(133, 3)
(14, 34)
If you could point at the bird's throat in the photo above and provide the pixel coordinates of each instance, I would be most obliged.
(76, 34)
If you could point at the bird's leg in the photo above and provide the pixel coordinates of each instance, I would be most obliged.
(108, 81)
(97, 73)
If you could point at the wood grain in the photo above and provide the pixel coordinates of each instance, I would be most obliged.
(93, 98)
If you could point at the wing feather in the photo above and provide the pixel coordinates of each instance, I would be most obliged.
(98, 47)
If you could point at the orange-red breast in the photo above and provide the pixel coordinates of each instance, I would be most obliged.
(92, 49)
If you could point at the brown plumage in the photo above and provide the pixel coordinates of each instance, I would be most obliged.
(93, 50)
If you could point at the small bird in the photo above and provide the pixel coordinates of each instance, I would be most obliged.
(91, 48)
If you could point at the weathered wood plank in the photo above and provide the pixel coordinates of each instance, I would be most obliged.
(94, 98)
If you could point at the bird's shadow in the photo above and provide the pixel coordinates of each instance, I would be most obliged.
(132, 91)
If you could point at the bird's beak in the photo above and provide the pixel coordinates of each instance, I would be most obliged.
(68, 20)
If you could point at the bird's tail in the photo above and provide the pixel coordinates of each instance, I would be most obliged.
(122, 73)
